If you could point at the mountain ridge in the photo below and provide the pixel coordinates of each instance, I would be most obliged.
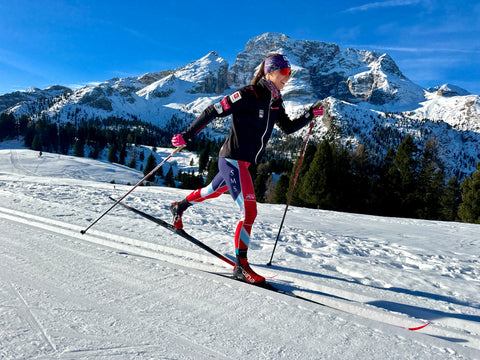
(365, 92)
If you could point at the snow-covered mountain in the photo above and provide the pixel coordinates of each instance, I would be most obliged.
(33, 99)
(369, 100)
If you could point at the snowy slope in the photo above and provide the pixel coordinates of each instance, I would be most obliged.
(128, 289)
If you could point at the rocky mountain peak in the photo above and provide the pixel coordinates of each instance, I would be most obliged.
(448, 90)
(368, 97)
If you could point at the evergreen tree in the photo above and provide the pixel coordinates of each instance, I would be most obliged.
(112, 153)
(132, 163)
(270, 190)
(169, 180)
(78, 148)
(22, 124)
(123, 154)
(450, 200)
(196, 180)
(253, 170)
(94, 152)
(430, 184)
(404, 184)
(317, 185)
(386, 194)
(190, 180)
(432, 197)
(469, 209)
(406, 166)
(151, 164)
(8, 127)
(29, 135)
(159, 172)
(66, 137)
(37, 143)
(51, 136)
(260, 187)
(359, 188)
(212, 170)
(343, 187)
(307, 160)
(281, 190)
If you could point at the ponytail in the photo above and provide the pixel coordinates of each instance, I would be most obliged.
(260, 74)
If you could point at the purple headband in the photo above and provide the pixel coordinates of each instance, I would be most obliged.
(276, 62)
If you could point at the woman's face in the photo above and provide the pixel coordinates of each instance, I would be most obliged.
(278, 79)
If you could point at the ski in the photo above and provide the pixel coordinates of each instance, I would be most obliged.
(179, 232)
(268, 286)
(265, 285)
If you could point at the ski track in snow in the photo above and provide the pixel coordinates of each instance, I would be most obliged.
(302, 283)
(402, 272)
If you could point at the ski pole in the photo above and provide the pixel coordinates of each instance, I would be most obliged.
(291, 189)
(178, 149)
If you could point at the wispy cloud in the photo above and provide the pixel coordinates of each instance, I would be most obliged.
(383, 4)
(79, 86)
(417, 49)
(16, 61)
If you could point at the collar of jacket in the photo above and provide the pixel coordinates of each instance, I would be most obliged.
(266, 91)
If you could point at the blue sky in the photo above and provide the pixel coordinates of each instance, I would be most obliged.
(73, 42)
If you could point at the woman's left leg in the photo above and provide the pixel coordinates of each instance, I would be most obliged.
(240, 186)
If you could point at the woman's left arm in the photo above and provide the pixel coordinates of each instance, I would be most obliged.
(290, 126)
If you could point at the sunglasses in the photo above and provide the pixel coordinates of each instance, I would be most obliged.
(285, 71)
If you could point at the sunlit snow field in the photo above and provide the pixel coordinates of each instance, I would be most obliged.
(130, 289)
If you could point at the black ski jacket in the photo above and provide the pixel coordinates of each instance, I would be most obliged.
(254, 113)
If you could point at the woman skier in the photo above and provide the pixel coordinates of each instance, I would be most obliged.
(255, 109)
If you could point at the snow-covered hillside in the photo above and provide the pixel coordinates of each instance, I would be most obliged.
(132, 290)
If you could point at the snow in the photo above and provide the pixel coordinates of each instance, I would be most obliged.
(132, 290)
(461, 112)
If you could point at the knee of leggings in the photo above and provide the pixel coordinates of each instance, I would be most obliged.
(250, 211)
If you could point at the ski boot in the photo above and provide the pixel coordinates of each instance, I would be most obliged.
(177, 209)
(242, 271)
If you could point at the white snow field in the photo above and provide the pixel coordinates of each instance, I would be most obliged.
(129, 289)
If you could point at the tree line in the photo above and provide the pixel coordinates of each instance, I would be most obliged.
(408, 182)
(115, 132)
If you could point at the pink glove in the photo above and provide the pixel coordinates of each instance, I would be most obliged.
(178, 140)
(318, 111)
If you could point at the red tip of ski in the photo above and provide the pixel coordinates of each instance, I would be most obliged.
(418, 327)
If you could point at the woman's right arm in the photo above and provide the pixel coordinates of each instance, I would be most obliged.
(224, 107)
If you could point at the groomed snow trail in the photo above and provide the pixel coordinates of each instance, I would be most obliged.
(129, 289)
(190, 262)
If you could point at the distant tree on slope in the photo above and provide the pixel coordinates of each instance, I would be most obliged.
(469, 209)
(151, 164)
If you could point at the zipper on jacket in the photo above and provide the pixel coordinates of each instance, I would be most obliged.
(266, 129)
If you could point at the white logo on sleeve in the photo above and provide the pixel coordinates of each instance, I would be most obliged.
(235, 97)
(219, 108)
